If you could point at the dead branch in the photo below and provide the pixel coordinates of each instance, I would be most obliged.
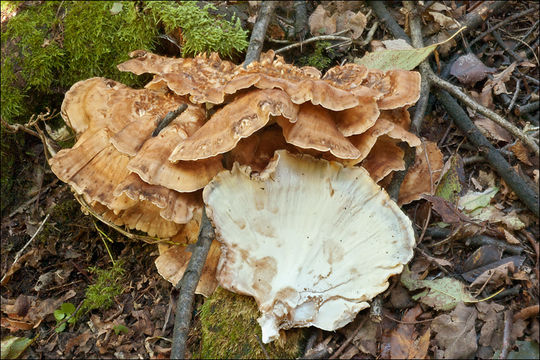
(504, 22)
(259, 31)
(187, 286)
(460, 95)
(478, 16)
(418, 42)
(300, 19)
(527, 195)
(506, 334)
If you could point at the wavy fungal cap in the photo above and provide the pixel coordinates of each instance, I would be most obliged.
(310, 240)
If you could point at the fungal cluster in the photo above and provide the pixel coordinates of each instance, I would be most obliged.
(289, 161)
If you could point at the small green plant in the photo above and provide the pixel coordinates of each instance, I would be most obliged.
(318, 58)
(66, 310)
(120, 329)
(108, 284)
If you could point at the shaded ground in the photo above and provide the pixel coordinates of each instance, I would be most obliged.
(55, 267)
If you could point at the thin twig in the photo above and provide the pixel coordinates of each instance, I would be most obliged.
(506, 334)
(262, 347)
(407, 322)
(20, 252)
(259, 31)
(418, 42)
(524, 109)
(460, 95)
(349, 339)
(187, 286)
(503, 46)
(504, 22)
(526, 313)
(527, 195)
(514, 97)
(332, 37)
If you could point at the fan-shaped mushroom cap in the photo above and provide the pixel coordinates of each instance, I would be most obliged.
(384, 157)
(315, 129)
(175, 206)
(204, 79)
(365, 141)
(257, 150)
(152, 165)
(358, 119)
(142, 216)
(237, 120)
(404, 89)
(420, 175)
(144, 109)
(94, 167)
(310, 240)
(87, 102)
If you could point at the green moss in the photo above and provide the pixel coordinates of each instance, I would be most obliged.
(318, 58)
(201, 32)
(230, 330)
(48, 46)
(108, 284)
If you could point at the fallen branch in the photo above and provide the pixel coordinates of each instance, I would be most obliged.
(187, 286)
(259, 31)
(506, 334)
(527, 195)
(504, 22)
(300, 19)
(460, 95)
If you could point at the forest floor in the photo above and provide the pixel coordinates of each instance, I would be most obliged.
(53, 254)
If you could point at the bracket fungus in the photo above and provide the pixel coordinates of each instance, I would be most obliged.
(312, 241)
(296, 231)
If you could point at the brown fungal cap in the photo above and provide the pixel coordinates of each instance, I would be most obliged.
(404, 89)
(385, 157)
(315, 129)
(239, 119)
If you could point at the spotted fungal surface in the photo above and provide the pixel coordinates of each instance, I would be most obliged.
(310, 240)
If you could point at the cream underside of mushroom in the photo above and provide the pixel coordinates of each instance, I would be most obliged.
(312, 242)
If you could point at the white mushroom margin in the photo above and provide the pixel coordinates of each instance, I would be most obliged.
(310, 240)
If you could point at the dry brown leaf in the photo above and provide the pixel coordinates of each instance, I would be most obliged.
(469, 69)
(493, 130)
(320, 22)
(511, 239)
(456, 334)
(449, 212)
(404, 340)
(521, 153)
(499, 80)
(496, 276)
(491, 333)
(443, 20)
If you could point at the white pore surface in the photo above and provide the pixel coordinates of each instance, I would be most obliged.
(310, 240)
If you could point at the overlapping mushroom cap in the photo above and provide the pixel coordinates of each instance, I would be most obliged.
(310, 240)
(137, 170)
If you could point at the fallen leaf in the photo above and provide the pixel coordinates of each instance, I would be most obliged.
(469, 69)
(511, 239)
(492, 130)
(456, 334)
(473, 274)
(473, 200)
(321, 22)
(449, 213)
(491, 333)
(13, 346)
(404, 340)
(397, 44)
(496, 276)
(441, 294)
(498, 83)
(78, 341)
(356, 22)
(526, 350)
(443, 20)
(398, 59)
(521, 153)
(453, 179)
